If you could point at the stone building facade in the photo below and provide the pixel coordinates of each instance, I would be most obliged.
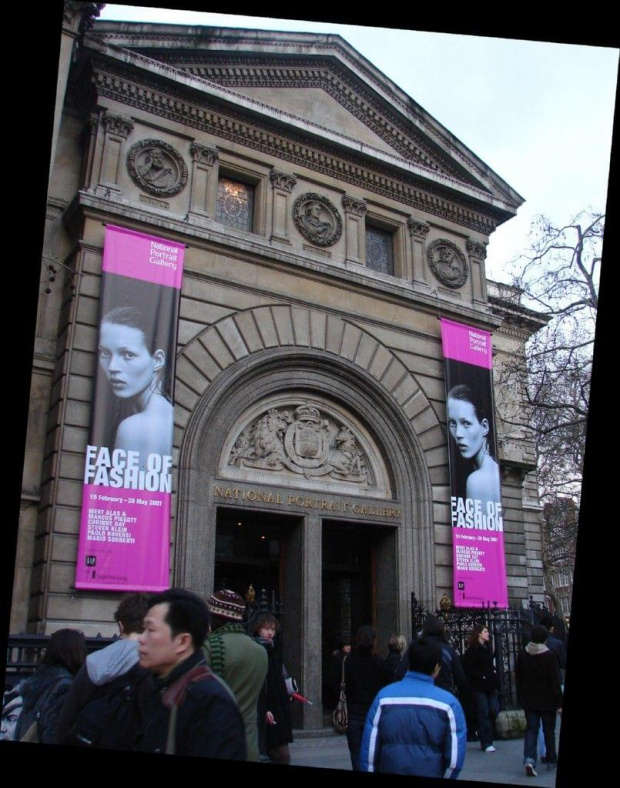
(329, 223)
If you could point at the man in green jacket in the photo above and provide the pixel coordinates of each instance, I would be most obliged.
(237, 659)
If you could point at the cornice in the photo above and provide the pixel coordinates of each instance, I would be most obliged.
(194, 48)
(322, 156)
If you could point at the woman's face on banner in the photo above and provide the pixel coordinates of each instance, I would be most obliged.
(468, 432)
(126, 360)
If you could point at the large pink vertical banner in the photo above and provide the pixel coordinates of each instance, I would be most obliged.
(475, 500)
(125, 522)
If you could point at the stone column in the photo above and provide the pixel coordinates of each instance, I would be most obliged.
(116, 130)
(477, 255)
(355, 229)
(282, 185)
(311, 619)
(203, 193)
(418, 231)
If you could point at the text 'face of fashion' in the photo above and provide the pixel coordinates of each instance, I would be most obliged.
(125, 359)
(158, 649)
(469, 434)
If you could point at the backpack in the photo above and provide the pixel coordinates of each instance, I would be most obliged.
(12, 703)
(112, 717)
(445, 678)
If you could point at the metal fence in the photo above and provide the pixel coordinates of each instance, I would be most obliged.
(510, 630)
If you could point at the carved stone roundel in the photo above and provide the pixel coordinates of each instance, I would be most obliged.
(448, 263)
(157, 168)
(317, 219)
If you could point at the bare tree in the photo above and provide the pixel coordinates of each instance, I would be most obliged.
(549, 385)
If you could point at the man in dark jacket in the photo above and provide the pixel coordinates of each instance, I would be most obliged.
(540, 694)
(105, 703)
(414, 727)
(191, 711)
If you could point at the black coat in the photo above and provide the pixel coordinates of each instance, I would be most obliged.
(364, 675)
(538, 679)
(274, 698)
(209, 722)
(44, 695)
(480, 670)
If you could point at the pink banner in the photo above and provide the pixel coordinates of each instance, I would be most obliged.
(125, 523)
(476, 513)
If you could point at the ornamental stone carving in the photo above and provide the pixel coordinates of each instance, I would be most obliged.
(203, 155)
(157, 168)
(353, 205)
(303, 441)
(317, 219)
(282, 180)
(477, 250)
(117, 124)
(448, 263)
(417, 228)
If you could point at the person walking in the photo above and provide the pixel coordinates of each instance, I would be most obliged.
(480, 670)
(539, 692)
(364, 675)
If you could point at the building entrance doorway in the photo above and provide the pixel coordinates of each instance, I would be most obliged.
(350, 552)
(251, 550)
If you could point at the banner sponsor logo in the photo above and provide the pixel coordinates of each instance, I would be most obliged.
(476, 513)
(125, 521)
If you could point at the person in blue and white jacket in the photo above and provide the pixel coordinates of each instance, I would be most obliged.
(414, 727)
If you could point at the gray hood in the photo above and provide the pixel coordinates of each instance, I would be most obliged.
(106, 664)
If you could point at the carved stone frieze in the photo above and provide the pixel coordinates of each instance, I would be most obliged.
(203, 155)
(321, 157)
(448, 263)
(417, 228)
(304, 441)
(157, 167)
(353, 205)
(317, 219)
(117, 124)
(477, 250)
(282, 180)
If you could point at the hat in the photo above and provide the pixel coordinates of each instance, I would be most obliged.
(227, 604)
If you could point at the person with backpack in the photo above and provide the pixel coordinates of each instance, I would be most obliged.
(105, 704)
(45, 691)
(451, 676)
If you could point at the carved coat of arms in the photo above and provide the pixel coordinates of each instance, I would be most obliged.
(302, 441)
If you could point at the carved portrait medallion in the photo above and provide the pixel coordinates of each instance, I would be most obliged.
(317, 219)
(157, 168)
(448, 263)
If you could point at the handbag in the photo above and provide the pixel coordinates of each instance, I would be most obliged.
(340, 716)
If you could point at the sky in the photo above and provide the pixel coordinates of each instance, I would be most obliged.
(539, 113)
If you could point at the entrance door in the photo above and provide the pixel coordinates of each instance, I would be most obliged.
(348, 593)
(250, 549)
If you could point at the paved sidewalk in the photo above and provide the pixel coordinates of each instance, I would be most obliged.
(503, 766)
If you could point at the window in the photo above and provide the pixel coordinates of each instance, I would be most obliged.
(379, 250)
(235, 204)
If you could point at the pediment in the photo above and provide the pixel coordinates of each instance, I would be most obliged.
(316, 82)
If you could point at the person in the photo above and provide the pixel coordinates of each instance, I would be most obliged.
(134, 363)
(312, 220)
(539, 691)
(45, 691)
(190, 710)
(480, 671)
(559, 649)
(451, 677)
(414, 727)
(275, 727)
(105, 704)
(237, 659)
(397, 645)
(470, 427)
(364, 675)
